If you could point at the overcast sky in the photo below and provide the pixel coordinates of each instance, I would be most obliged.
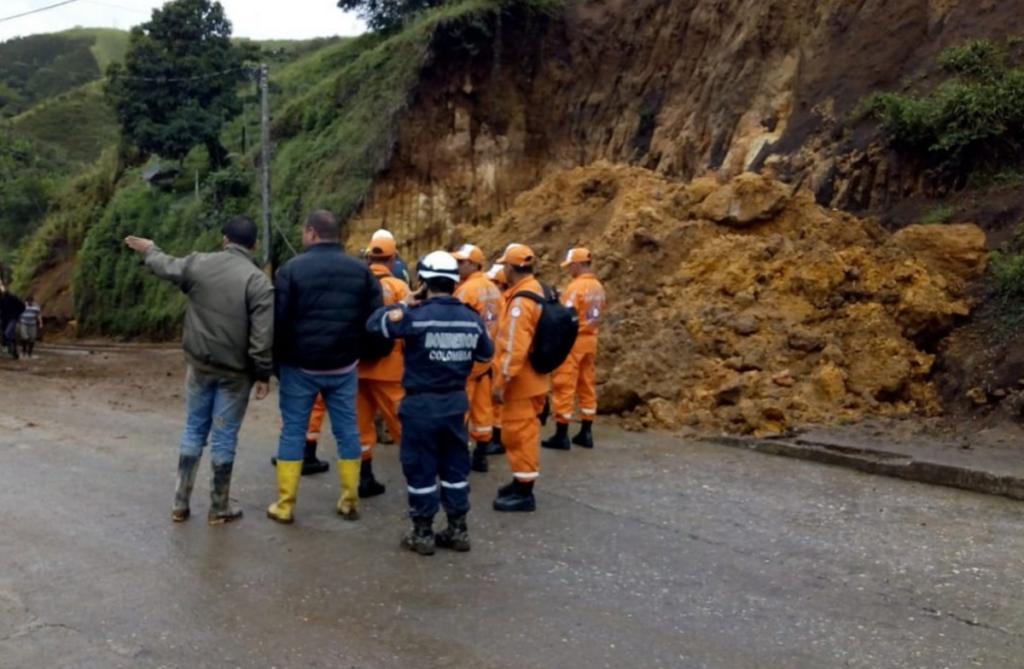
(260, 19)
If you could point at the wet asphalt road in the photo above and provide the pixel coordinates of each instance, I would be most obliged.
(647, 552)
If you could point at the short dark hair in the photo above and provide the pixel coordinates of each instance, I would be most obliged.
(242, 231)
(324, 223)
(440, 284)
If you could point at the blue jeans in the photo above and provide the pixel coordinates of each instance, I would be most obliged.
(216, 406)
(298, 393)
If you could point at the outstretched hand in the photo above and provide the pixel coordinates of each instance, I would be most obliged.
(138, 244)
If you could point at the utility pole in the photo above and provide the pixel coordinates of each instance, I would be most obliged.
(264, 80)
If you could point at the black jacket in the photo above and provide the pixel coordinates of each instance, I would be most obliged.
(322, 299)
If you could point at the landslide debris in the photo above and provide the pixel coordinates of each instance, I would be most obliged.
(744, 305)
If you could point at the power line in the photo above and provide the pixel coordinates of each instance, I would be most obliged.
(36, 11)
(172, 80)
(113, 6)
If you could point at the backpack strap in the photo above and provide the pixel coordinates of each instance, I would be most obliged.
(530, 295)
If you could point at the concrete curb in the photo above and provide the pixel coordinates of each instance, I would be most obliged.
(884, 463)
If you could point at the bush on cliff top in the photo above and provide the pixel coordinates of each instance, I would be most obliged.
(974, 119)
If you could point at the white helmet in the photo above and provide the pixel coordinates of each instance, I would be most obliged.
(439, 264)
(386, 234)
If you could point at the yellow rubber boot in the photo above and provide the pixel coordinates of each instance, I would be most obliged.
(348, 474)
(288, 474)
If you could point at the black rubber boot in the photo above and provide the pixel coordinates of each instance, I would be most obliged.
(496, 447)
(421, 538)
(454, 537)
(559, 441)
(518, 498)
(187, 466)
(310, 464)
(368, 485)
(221, 510)
(507, 489)
(480, 458)
(584, 437)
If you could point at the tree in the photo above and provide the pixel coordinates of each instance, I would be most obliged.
(387, 14)
(177, 86)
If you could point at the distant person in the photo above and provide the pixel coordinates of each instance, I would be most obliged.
(228, 343)
(322, 300)
(575, 379)
(11, 308)
(443, 340)
(399, 269)
(29, 326)
(480, 294)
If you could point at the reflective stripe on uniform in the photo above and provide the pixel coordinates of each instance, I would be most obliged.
(468, 325)
(526, 476)
(455, 486)
(422, 491)
(589, 412)
(366, 449)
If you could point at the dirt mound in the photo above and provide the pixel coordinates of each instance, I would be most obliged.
(744, 305)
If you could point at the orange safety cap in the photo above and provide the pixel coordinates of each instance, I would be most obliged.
(579, 254)
(517, 255)
(471, 253)
(382, 247)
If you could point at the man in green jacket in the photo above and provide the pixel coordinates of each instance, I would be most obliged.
(228, 342)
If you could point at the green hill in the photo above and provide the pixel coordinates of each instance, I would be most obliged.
(79, 123)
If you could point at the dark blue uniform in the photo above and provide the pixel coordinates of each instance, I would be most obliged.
(443, 338)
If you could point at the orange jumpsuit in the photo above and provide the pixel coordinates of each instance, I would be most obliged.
(575, 379)
(380, 381)
(524, 389)
(481, 295)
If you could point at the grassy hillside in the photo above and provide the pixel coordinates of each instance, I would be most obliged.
(336, 112)
(79, 123)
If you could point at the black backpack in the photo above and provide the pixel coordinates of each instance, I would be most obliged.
(556, 331)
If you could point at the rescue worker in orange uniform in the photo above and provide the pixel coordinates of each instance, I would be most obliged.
(380, 381)
(518, 387)
(480, 294)
(497, 276)
(575, 379)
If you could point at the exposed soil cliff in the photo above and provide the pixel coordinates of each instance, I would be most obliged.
(678, 87)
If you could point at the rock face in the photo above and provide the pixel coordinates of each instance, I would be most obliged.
(803, 314)
(680, 87)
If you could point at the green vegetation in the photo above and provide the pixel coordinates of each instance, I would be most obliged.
(388, 14)
(972, 120)
(939, 215)
(336, 114)
(78, 124)
(178, 84)
(27, 183)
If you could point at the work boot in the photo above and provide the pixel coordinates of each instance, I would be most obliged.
(455, 536)
(421, 538)
(480, 458)
(496, 447)
(187, 466)
(368, 485)
(288, 474)
(310, 464)
(584, 437)
(519, 498)
(221, 510)
(559, 441)
(348, 476)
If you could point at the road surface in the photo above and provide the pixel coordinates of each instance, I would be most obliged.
(650, 551)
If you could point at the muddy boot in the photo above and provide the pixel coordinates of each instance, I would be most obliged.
(421, 538)
(559, 441)
(519, 498)
(310, 464)
(221, 510)
(369, 486)
(480, 458)
(454, 537)
(187, 466)
(584, 437)
(348, 477)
